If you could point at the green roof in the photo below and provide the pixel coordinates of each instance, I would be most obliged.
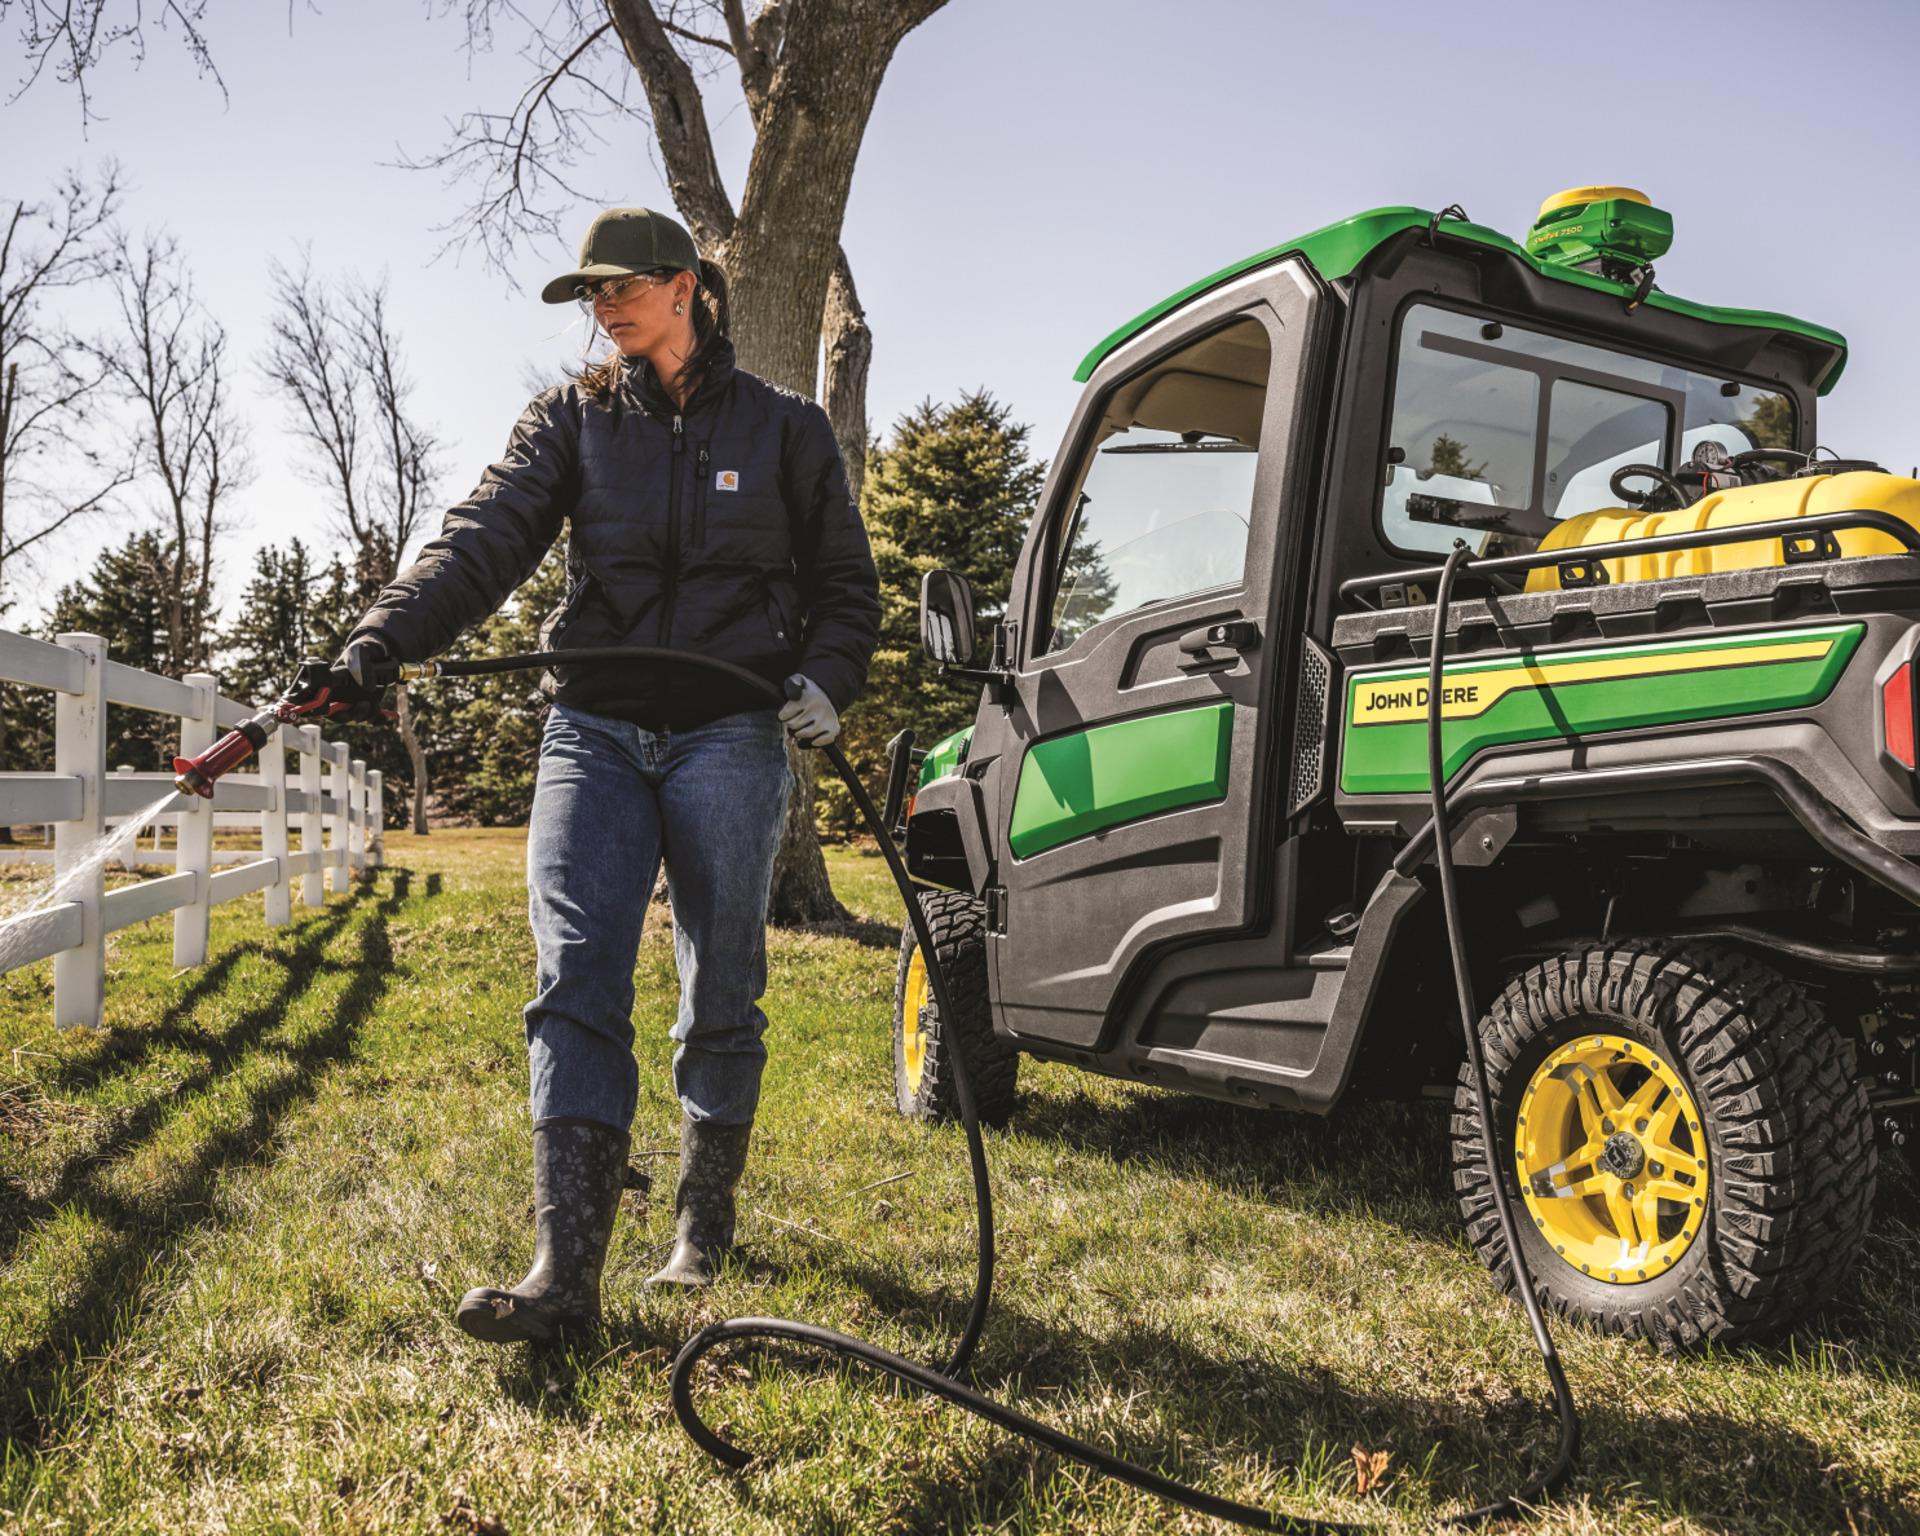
(1336, 250)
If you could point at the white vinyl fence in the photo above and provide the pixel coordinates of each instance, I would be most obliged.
(341, 825)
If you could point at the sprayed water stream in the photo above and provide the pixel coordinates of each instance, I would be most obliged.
(39, 895)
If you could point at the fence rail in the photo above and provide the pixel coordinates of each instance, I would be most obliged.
(341, 823)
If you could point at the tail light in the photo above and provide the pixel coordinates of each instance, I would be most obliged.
(1896, 714)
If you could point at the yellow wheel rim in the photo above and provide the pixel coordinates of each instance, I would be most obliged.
(913, 1032)
(1612, 1159)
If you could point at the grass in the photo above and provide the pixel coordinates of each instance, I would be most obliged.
(234, 1222)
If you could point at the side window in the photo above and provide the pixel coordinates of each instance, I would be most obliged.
(1162, 500)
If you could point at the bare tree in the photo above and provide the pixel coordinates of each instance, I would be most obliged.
(167, 358)
(334, 355)
(810, 71)
(50, 471)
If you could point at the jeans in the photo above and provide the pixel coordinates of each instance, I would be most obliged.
(610, 800)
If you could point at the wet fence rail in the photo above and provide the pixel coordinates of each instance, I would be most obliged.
(331, 801)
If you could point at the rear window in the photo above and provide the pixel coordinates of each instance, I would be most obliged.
(1498, 432)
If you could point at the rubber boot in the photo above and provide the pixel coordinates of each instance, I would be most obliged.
(712, 1157)
(579, 1169)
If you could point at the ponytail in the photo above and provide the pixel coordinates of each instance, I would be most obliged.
(712, 322)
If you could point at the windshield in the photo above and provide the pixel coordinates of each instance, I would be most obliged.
(1498, 432)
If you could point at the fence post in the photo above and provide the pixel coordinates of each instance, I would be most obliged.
(377, 819)
(194, 841)
(336, 819)
(357, 816)
(80, 749)
(273, 829)
(313, 891)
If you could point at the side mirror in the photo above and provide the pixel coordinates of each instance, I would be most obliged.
(946, 617)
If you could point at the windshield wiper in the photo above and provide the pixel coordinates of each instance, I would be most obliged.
(1424, 507)
(1213, 447)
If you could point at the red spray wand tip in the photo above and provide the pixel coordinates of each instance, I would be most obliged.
(195, 775)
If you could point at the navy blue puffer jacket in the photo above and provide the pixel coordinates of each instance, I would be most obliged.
(724, 528)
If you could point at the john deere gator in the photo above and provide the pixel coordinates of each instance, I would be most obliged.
(1186, 841)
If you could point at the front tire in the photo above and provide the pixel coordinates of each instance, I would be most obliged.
(924, 1043)
(1685, 1142)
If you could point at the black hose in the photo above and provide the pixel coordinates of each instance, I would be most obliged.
(1477, 1063)
(941, 1382)
(1666, 482)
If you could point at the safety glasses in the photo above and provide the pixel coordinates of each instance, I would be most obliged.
(614, 290)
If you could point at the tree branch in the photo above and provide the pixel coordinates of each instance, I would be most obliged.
(679, 122)
(697, 37)
(523, 157)
(756, 64)
(75, 35)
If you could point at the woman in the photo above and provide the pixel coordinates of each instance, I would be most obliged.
(706, 511)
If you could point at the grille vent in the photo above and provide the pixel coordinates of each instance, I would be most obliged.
(1310, 727)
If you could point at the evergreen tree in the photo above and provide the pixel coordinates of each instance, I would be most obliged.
(955, 487)
(484, 738)
(273, 630)
(125, 600)
(336, 597)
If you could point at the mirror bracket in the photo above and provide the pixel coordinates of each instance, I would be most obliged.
(996, 675)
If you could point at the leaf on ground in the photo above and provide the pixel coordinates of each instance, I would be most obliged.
(464, 1515)
(1369, 1467)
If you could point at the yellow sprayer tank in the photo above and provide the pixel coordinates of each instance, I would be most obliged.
(1860, 490)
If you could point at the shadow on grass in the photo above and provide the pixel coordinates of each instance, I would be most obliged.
(99, 1304)
(1387, 1159)
(1716, 1472)
(124, 1051)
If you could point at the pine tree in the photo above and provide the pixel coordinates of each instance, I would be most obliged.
(484, 740)
(125, 600)
(335, 599)
(956, 488)
(273, 630)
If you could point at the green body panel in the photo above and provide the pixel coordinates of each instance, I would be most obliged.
(943, 757)
(1336, 250)
(1090, 780)
(1392, 758)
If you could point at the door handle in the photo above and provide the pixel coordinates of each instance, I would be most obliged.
(1237, 636)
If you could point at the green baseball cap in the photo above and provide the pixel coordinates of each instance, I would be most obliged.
(626, 240)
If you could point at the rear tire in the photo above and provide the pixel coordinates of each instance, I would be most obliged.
(1786, 1157)
(924, 1043)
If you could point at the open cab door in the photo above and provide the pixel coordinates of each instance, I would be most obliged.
(1132, 771)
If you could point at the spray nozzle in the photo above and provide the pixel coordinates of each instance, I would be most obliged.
(195, 775)
(315, 693)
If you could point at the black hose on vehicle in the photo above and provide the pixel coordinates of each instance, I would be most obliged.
(941, 1382)
(1569, 1446)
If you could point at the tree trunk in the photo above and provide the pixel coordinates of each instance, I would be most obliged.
(849, 350)
(415, 755)
(6, 830)
(783, 246)
(780, 252)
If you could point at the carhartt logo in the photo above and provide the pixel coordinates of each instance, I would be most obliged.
(727, 480)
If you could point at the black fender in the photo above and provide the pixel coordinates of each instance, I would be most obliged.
(947, 840)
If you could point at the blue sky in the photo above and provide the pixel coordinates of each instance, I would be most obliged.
(1036, 171)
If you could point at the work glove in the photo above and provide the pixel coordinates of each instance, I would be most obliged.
(809, 714)
(348, 688)
(369, 663)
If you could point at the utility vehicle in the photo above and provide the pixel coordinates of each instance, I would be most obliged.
(1185, 840)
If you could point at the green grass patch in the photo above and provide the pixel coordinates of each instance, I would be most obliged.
(234, 1223)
